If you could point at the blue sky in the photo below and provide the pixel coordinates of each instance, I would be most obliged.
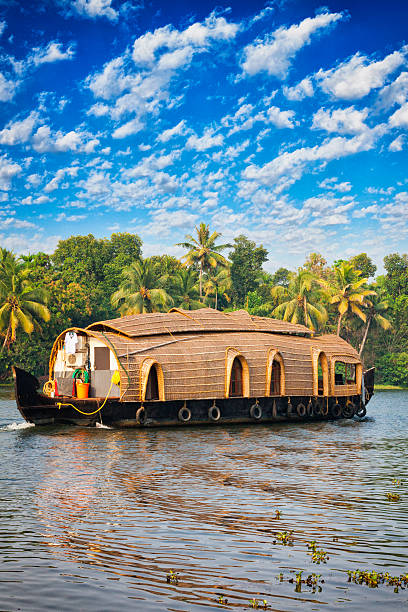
(286, 121)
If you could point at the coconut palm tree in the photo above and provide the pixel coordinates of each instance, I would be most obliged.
(375, 306)
(218, 283)
(184, 289)
(21, 303)
(295, 301)
(140, 291)
(203, 252)
(348, 290)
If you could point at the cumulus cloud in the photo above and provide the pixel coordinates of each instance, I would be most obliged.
(206, 141)
(18, 132)
(289, 166)
(343, 121)
(274, 54)
(177, 130)
(94, 9)
(298, 92)
(55, 182)
(196, 37)
(137, 84)
(8, 170)
(7, 88)
(51, 53)
(397, 144)
(394, 93)
(45, 141)
(279, 118)
(355, 78)
(400, 117)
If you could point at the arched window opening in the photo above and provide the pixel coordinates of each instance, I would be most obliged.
(275, 388)
(235, 389)
(322, 375)
(152, 386)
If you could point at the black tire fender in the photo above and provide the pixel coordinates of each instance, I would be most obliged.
(309, 409)
(361, 412)
(184, 414)
(141, 415)
(349, 410)
(214, 413)
(325, 409)
(255, 411)
(317, 409)
(301, 409)
(335, 410)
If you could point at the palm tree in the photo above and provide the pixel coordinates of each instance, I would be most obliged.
(139, 291)
(374, 307)
(295, 301)
(21, 304)
(218, 283)
(184, 289)
(203, 251)
(346, 289)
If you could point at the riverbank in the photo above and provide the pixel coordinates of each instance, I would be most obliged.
(389, 388)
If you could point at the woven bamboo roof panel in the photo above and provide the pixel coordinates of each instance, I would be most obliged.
(203, 320)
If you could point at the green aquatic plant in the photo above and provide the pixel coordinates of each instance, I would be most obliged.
(172, 577)
(284, 537)
(278, 514)
(312, 581)
(396, 482)
(373, 579)
(393, 497)
(222, 600)
(318, 555)
(259, 604)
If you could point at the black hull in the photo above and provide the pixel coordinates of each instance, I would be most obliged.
(43, 410)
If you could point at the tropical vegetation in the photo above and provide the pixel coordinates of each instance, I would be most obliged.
(88, 279)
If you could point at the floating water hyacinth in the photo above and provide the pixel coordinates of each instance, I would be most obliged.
(284, 537)
(373, 579)
(172, 577)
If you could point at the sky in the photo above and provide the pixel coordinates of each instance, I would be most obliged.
(285, 121)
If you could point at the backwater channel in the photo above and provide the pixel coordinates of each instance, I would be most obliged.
(94, 519)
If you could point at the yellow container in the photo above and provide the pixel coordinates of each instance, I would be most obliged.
(82, 389)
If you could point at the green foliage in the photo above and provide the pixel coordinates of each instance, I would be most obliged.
(139, 291)
(396, 280)
(365, 264)
(392, 369)
(246, 267)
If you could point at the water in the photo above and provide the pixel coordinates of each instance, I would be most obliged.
(94, 519)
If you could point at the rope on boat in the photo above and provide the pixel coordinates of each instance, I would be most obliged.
(114, 380)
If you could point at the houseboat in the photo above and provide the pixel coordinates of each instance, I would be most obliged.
(195, 367)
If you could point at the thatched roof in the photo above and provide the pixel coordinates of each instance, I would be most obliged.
(204, 320)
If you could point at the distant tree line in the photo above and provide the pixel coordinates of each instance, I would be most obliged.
(88, 279)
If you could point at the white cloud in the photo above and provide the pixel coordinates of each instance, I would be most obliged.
(288, 167)
(298, 92)
(29, 243)
(127, 129)
(279, 118)
(197, 37)
(8, 170)
(45, 141)
(139, 87)
(400, 117)
(3, 26)
(19, 131)
(151, 164)
(397, 144)
(7, 88)
(355, 78)
(54, 183)
(206, 141)
(51, 53)
(69, 218)
(274, 53)
(177, 130)
(340, 120)
(112, 81)
(394, 93)
(95, 8)
(164, 221)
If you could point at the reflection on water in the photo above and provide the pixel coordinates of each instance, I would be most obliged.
(96, 518)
